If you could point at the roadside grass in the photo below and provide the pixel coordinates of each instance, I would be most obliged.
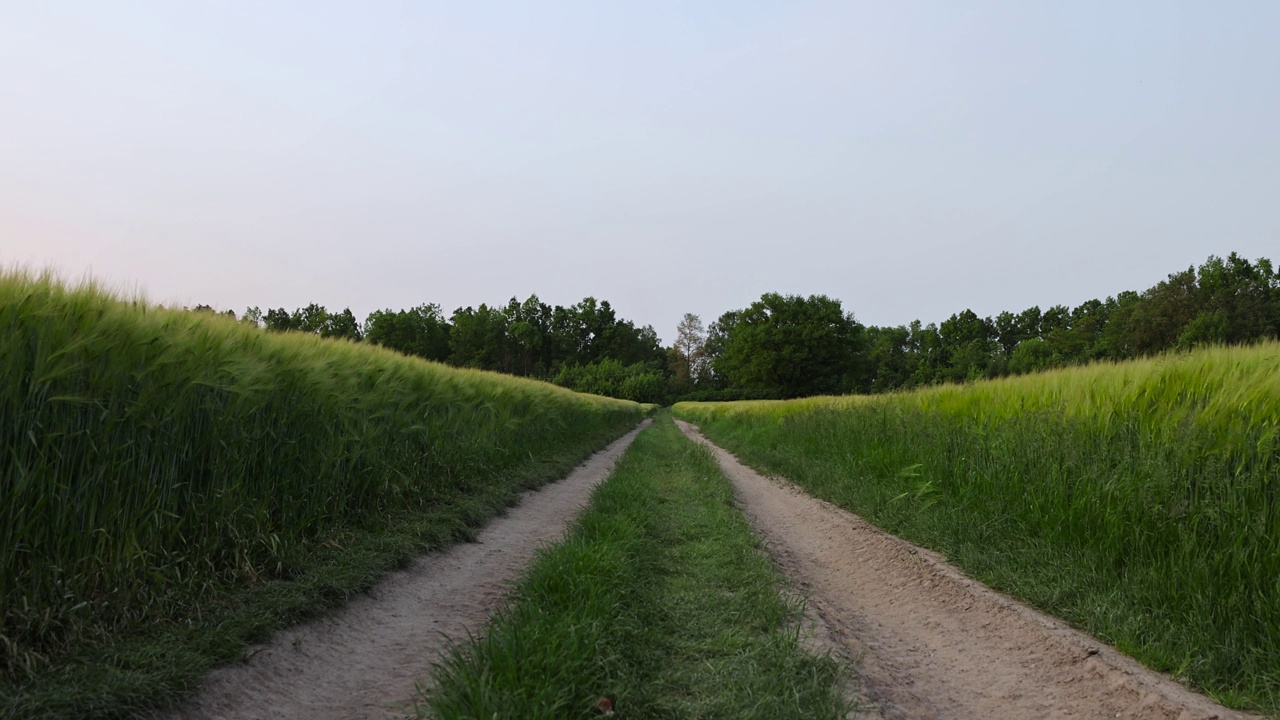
(1139, 501)
(153, 666)
(659, 600)
(175, 484)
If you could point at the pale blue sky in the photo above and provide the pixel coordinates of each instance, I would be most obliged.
(910, 158)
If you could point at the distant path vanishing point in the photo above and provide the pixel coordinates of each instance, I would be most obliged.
(365, 660)
(929, 642)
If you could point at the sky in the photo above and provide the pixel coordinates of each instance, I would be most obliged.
(910, 159)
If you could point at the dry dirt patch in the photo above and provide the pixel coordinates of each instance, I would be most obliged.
(365, 660)
(929, 642)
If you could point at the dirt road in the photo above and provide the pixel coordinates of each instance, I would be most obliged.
(364, 660)
(927, 642)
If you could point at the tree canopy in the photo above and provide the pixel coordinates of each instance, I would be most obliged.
(791, 344)
(585, 346)
(782, 346)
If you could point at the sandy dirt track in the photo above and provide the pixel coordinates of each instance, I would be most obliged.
(928, 642)
(365, 659)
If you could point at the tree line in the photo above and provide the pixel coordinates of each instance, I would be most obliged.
(585, 346)
(791, 346)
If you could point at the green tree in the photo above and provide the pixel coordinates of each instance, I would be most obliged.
(528, 327)
(420, 331)
(341, 325)
(795, 345)
(1031, 355)
(892, 361)
(278, 320)
(1077, 337)
(687, 356)
(479, 338)
(1013, 329)
(1116, 341)
(583, 331)
(1238, 302)
(252, 316)
(926, 343)
(713, 348)
(314, 319)
(611, 378)
(1165, 311)
(969, 343)
(311, 319)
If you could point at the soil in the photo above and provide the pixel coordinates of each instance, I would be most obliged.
(927, 642)
(367, 659)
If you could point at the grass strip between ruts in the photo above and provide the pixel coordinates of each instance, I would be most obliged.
(659, 600)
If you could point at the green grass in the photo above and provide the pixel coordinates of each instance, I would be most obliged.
(1140, 501)
(659, 599)
(176, 484)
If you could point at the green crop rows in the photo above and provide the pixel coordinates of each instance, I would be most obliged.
(157, 461)
(1139, 500)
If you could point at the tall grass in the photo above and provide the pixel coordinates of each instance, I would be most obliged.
(150, 455)
(1139, 500)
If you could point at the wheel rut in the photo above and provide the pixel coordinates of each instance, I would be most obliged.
(927, 641)
(366, 659)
